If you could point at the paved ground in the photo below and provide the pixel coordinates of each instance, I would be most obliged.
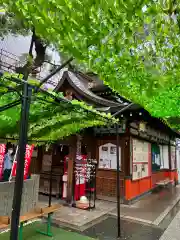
(79, 219)
(101, 223)
(107, 230)
(151, 209)
(173, 230)
(170, 216)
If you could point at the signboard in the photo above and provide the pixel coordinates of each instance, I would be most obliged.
(2, 153)
(142, 126)
(140, 159)
(28, 155)
(108, 157)
(110, 129)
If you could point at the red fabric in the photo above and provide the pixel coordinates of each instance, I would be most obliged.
(29, 151)
(2, 153)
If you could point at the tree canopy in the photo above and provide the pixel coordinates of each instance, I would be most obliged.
(132, 45)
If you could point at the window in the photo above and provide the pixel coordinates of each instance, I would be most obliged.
(156, 159)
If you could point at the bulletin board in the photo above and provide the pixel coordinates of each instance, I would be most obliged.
(140, 159)
(108, 157)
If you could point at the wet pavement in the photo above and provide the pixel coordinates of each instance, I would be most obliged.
(173, 230)
(107, 230)
(78, 219)
(170, 216)
(152, 208)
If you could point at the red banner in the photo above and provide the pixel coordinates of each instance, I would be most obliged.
(2, 153)
(29, 151)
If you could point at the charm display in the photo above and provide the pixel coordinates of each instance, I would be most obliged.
(85, 175)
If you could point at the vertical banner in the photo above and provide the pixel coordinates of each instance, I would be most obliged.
(28, 155)
(2, 153)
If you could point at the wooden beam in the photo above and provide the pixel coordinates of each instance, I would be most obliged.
(71, 160)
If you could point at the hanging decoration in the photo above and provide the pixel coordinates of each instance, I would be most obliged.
(85, 184)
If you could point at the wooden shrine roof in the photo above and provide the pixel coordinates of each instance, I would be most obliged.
(81, 85)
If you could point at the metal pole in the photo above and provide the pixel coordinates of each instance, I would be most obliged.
(50, 180)
(118, 184)
(19, 180)
(123, 109)
(18, 188)
(10, 105)
(55, 71)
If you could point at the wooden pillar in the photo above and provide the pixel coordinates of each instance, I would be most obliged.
(169, 149)
(39, 159)
(78, 144)
(72, 157)
(91, 144)
(75, 149)
(176, 156)
(126, 155)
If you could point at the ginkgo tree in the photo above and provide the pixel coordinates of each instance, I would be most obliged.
(132, 45)
(49, 119)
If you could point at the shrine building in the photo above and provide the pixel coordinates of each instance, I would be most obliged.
(146, 145)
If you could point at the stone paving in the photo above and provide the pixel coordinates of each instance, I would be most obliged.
(78, 219)
(151, 209)
(173, 230)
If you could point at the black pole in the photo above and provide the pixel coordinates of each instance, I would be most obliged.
(54, 72)
(18, 188)
(10, 105)
(123, 109)
(118, 184)
(19, 180)
(50, 181)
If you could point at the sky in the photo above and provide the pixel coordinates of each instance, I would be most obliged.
(17, 46)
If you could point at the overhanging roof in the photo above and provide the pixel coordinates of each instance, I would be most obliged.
(81, 86)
